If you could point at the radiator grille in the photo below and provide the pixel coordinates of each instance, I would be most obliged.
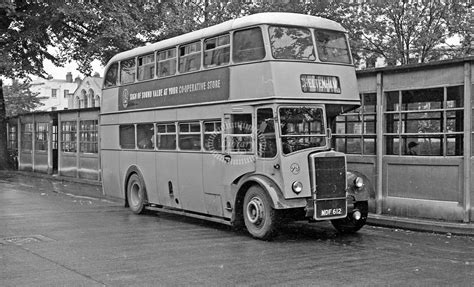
(330, 176)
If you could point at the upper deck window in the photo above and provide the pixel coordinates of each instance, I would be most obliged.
(291, 43)
(248, 45)
(190, 57)
(146, 67)
(217, 51)
(127, 71)
(167, 62)
(111, 76)
(332, 46)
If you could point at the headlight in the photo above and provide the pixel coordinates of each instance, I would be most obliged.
(359, 182)
(297, 187)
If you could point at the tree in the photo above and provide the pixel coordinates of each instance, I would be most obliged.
(80, 31)
(19, 99)
(403, 32)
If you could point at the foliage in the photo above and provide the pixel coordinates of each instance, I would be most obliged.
(19, 99)
(402, 32)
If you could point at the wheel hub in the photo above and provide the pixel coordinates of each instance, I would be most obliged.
(135, 194)
(255, 210)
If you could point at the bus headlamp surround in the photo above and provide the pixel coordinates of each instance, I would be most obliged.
(358, 182)
(297, 187)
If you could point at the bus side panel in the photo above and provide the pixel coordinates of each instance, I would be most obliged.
(212, 173)
(190, 181)
(109, 100)
(167, 179)
(146, 165)
(251, 81)
(111, 180)
(127, 159)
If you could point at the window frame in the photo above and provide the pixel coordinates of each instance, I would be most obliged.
(184, 60)
(132, 71)
(69, 136)
(263, 153)
(41, 136)
(141, 68)
(167, 58)
(361, 113)
(166, 133)
(190, 133)
(88, 137)
(219, 48)
(311, 35)
(147, 145)
(217, 130)
(402, 138)
(242, 60)
(318, 51)
(108, 81)
(12, 143)
(229, 123)
(121, 143)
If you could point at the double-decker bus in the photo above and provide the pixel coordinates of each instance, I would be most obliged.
(232, 123)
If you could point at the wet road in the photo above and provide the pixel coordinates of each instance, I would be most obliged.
(50, 238)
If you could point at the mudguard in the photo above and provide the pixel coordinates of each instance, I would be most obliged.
(272, 189)
(359, 194)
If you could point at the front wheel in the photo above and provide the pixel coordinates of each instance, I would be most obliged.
(350, 224)
(259, 216)
(136, 194)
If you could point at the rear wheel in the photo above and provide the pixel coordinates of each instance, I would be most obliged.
(259, 216)
(136, 194)
(350, 224)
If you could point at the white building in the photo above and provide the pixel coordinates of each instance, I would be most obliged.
(54, 91)
(87, 94)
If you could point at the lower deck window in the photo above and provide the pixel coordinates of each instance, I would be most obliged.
(238, 133)
(212, 136)
(189, 136)
(145, 136)
(166, 136)
(127, 136)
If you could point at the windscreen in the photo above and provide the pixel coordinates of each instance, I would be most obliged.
(302, 128)
(291, 43)
(332, 46)
(296, 43)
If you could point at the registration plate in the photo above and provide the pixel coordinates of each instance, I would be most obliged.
(328, 209)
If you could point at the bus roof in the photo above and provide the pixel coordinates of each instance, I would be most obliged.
(276, 18)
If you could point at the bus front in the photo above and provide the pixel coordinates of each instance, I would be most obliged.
(312, 81)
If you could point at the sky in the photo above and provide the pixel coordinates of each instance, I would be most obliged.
(60, 72)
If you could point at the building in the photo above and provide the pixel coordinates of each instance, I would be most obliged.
(55, 92)
(413, 139)
(87, 94)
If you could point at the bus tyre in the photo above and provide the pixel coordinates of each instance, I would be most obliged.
(259, 216)
(136, 194)
(349, 224)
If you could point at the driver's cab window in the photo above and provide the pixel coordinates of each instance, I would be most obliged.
(266, 140)
(238, 133)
